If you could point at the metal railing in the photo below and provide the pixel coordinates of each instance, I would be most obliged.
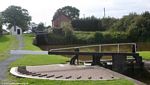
(100, 47)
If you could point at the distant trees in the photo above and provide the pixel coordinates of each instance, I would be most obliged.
(69, 11)
(93, 24)
(39, 27)
(16, 15)
(0, 24)
(136, 26)
(86, 24)
(140, 28)
(123, 23)
(107, 23)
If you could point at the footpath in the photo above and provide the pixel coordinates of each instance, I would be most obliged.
(4, 64)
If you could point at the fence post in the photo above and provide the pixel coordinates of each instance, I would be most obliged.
(77, 54)
(118, 48)
(134, 48)
(100, 48)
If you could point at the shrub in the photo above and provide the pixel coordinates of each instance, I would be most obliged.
(98, 37)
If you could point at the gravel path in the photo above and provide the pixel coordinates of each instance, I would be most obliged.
(4, 64)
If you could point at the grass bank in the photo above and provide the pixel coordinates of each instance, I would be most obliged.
(7, 42)
(37, 59)
(53, 59)
(145, 55)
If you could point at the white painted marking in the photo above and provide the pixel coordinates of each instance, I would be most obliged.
(28, 52)
(61, 65)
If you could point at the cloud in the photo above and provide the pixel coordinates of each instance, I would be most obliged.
(43, 10)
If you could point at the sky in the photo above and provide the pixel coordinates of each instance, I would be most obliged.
(43, 10)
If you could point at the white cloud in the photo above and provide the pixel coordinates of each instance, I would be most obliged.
(43, 10)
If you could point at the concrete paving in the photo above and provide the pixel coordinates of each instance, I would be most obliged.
(71, 72)
(68, 72)
(4, 64)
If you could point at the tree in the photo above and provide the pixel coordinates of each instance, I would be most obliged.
(41, 27)
(15, 15)
(106, 23)
(140, 29)
(86, 24)
(1, 24)
(136, 29)
(124, 23)
(69, 11)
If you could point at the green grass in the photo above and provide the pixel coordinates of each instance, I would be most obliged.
(28, 40)
(53, 59)
(7, 42)
(77, 82)
(145, 55)
(39, 60)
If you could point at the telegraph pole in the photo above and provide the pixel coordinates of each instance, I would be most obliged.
(14, 24)
(84, 16)
(104, 13)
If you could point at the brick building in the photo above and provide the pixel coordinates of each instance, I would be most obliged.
(60, 21)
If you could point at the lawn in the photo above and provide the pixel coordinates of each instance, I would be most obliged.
(145, 55)
(7, 42)
(37, 59)
(28, 40)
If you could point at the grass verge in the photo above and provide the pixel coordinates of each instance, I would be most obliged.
(77, 82)
(145, 55)
(7, 42)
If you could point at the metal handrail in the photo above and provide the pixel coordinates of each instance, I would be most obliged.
(100, 46)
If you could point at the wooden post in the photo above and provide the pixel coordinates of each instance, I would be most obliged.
(75, 57)
(119, 63)
(96, 59)
(77, 54)
(100, 48)
(133, 48)
(118, 48)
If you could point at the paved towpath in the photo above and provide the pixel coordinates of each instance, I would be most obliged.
(4, 64)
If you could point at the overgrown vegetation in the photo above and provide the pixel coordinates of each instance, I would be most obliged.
(88, 38)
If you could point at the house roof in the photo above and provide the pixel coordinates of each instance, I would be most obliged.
(60, 14)
(17, 27)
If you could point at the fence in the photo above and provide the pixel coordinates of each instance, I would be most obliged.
(116, 48)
